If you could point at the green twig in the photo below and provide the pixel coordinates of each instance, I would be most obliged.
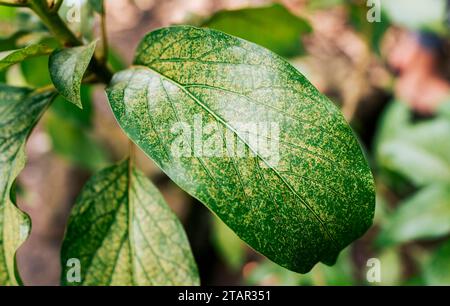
(45, 88)
(67, 38)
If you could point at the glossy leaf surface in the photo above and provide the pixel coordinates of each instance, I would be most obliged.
(187, 104)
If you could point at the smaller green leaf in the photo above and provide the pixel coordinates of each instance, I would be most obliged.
(20, 109)
(97, 5)
(16, 56)
(123, 233)
(436, 269)
(67, 68)
(425, 215)
(273, 27)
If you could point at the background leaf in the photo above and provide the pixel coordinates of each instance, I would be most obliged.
(301, 205)
(423, 216)
(67, 68)
(20, 109)
(273, 27)
(420, 152)
(124, 233)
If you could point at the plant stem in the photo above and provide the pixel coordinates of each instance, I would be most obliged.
(55, 24)
(45, 88)
(59, 29)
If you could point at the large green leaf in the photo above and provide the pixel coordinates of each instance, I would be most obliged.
(20, 108)
(299, 202)
(124, 233)
(425, 215)
(67, 68)
(16, 56)
(273, 27)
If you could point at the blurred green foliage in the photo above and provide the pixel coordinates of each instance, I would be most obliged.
(425, 215)
(69, 128)
(341, 274)
(273, 27)
(418, 151)
(436, 268)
